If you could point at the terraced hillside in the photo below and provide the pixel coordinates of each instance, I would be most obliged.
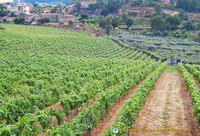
(188, 51)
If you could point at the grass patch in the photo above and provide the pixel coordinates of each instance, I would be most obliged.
(172, 68)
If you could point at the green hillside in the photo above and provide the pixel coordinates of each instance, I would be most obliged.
(41, 67)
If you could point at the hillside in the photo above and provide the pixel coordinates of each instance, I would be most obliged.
(46, 1)
(134, 8)
(43, 68)
(163, 47)
(79, 84)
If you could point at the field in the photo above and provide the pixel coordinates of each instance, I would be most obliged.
(60, 82)
(188, 51)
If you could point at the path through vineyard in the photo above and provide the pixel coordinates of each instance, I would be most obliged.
(167, 109)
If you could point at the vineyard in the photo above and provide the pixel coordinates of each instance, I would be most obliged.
(188, 51)
(59, 82)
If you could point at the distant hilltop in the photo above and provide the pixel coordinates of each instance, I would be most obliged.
(46, 1)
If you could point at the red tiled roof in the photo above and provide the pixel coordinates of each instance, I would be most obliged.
(49, 14)
(4, 17)
(36, 16)
(11, 17)
(68, 16)
(28, 15)
(76, 21)
(21, 5)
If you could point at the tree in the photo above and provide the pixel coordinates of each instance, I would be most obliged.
(172, 3)
(157, 23)
(4, 20)
(174, 21)
(104, 12)
(109, 28)
(181, 14)
(78, 6)
(2, 7)
(129, 22)
(84, 16)
(158, 8)
(12, 14)
(186, 17)
(53, 10)
(70, 23)
(189, 5)
(98, 5)
(102, 23)
(19, 20)
(124, 17)
(3, 13)
(188, 26)
(112, 5)
(43, 20)
(115, 22)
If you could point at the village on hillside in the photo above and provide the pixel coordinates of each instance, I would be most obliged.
(55, 13)
(152, 18)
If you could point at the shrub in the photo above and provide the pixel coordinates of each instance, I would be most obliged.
(19, 20)
(44, 20)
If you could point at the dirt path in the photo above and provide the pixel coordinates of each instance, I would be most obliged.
(168, 110)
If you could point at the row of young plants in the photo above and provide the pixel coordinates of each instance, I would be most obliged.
(89, 117)
(129, 112)
(153, 56)
(193, 69)
(193, 89)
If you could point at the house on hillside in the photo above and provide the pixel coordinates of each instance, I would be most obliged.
(67, 18)
(28, 18)
(13, 9)
(9, 20)
(51, 16)
(25, 8)
(47, 11)
(59, 16)
(36, 17)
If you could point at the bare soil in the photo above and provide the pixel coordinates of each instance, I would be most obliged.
(117, 45)
(168, 110)
(166, 2)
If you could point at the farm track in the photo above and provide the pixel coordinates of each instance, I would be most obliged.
(168, 109)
